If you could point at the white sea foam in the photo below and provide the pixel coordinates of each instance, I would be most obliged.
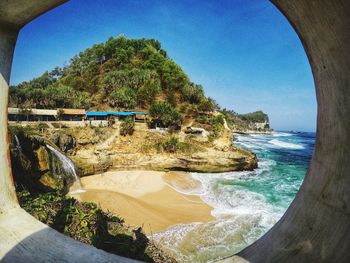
(190, 191)
(241, 217)
(281, 134)
(242, 212)
(287, 145)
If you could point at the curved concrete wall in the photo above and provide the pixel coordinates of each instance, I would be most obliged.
(315, 228)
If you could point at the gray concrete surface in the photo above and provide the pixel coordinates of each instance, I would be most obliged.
(22, 237)
(315, 228)
(28, 240)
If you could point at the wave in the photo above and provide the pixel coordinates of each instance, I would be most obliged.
(245, 204)
(287, 145)
(281, 134)
(240, 215)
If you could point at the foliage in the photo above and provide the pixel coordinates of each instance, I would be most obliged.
(87, 223)
(165, 115)
(127, 127)
(193, 93)
(257, 116)
(170, 145)
(60, 113)
(123, 98)
(215, 124)
(207, 105)
(123, 73)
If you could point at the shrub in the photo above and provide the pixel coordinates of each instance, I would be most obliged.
(127, 127)
(86, 222)
(165, 115)
(257, 116)
(124, 98)
(171, 145)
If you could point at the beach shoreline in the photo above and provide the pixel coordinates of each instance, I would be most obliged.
(152, 200)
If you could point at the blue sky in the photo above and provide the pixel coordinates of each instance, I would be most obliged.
(244, 53)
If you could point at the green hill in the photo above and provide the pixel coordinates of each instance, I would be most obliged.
(120, 74)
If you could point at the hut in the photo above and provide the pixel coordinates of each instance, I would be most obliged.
(140, 116)
(106, 115)
(22, 114)
(72, 114)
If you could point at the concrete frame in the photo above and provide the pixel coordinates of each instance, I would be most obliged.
(315, 228)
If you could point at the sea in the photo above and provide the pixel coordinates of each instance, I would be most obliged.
(246, 204)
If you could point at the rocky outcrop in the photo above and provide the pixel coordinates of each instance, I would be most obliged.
(123, 153)
(99, 150)
(204, 162)
(30, 162)
(65, 142)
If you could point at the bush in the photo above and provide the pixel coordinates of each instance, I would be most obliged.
(87, 223)
(124, 98)
(165, 115)
(171, 145)
(127, 127)
(257, 116)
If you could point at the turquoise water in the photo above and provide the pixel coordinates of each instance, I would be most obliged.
(246, 204)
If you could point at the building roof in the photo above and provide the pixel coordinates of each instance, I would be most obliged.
(96, 113)
(74, 111)
(32, 111)
(114, 113)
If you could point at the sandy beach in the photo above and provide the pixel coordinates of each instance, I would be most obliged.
(147, 198)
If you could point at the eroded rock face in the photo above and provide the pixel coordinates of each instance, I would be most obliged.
(123, 153)
(31, 163)
(65, 142)
(205, 162)
(43, 159)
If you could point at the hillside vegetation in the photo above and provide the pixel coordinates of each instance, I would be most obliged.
(122, 74)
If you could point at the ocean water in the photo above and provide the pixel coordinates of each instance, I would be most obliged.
(246, 204)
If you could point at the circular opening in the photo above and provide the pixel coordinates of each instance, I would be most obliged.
(243, 179)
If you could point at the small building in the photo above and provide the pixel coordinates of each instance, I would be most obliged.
(73, 114)
(97, 115)
(19, 114)
(118, 115)
(140, 116)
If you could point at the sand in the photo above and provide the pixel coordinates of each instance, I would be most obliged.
(147, 198)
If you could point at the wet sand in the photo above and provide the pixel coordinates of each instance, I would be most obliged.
(147, 198)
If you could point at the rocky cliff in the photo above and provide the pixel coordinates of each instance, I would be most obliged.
(101, 149)
(35, 167)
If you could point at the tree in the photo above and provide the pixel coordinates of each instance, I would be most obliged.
(122, 72)
(26, 112)
(127, 127)
(207, 105)
(124, 98)
(257, 116)
(193, 93)
(59, 116)
(172, 76)
(148, 92)
(165, 115)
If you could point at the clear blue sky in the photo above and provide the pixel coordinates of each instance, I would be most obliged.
(244, 53)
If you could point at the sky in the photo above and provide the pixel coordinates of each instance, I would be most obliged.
(244, 53)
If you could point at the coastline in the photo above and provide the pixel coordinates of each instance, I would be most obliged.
(252, 132)
(146, 198)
